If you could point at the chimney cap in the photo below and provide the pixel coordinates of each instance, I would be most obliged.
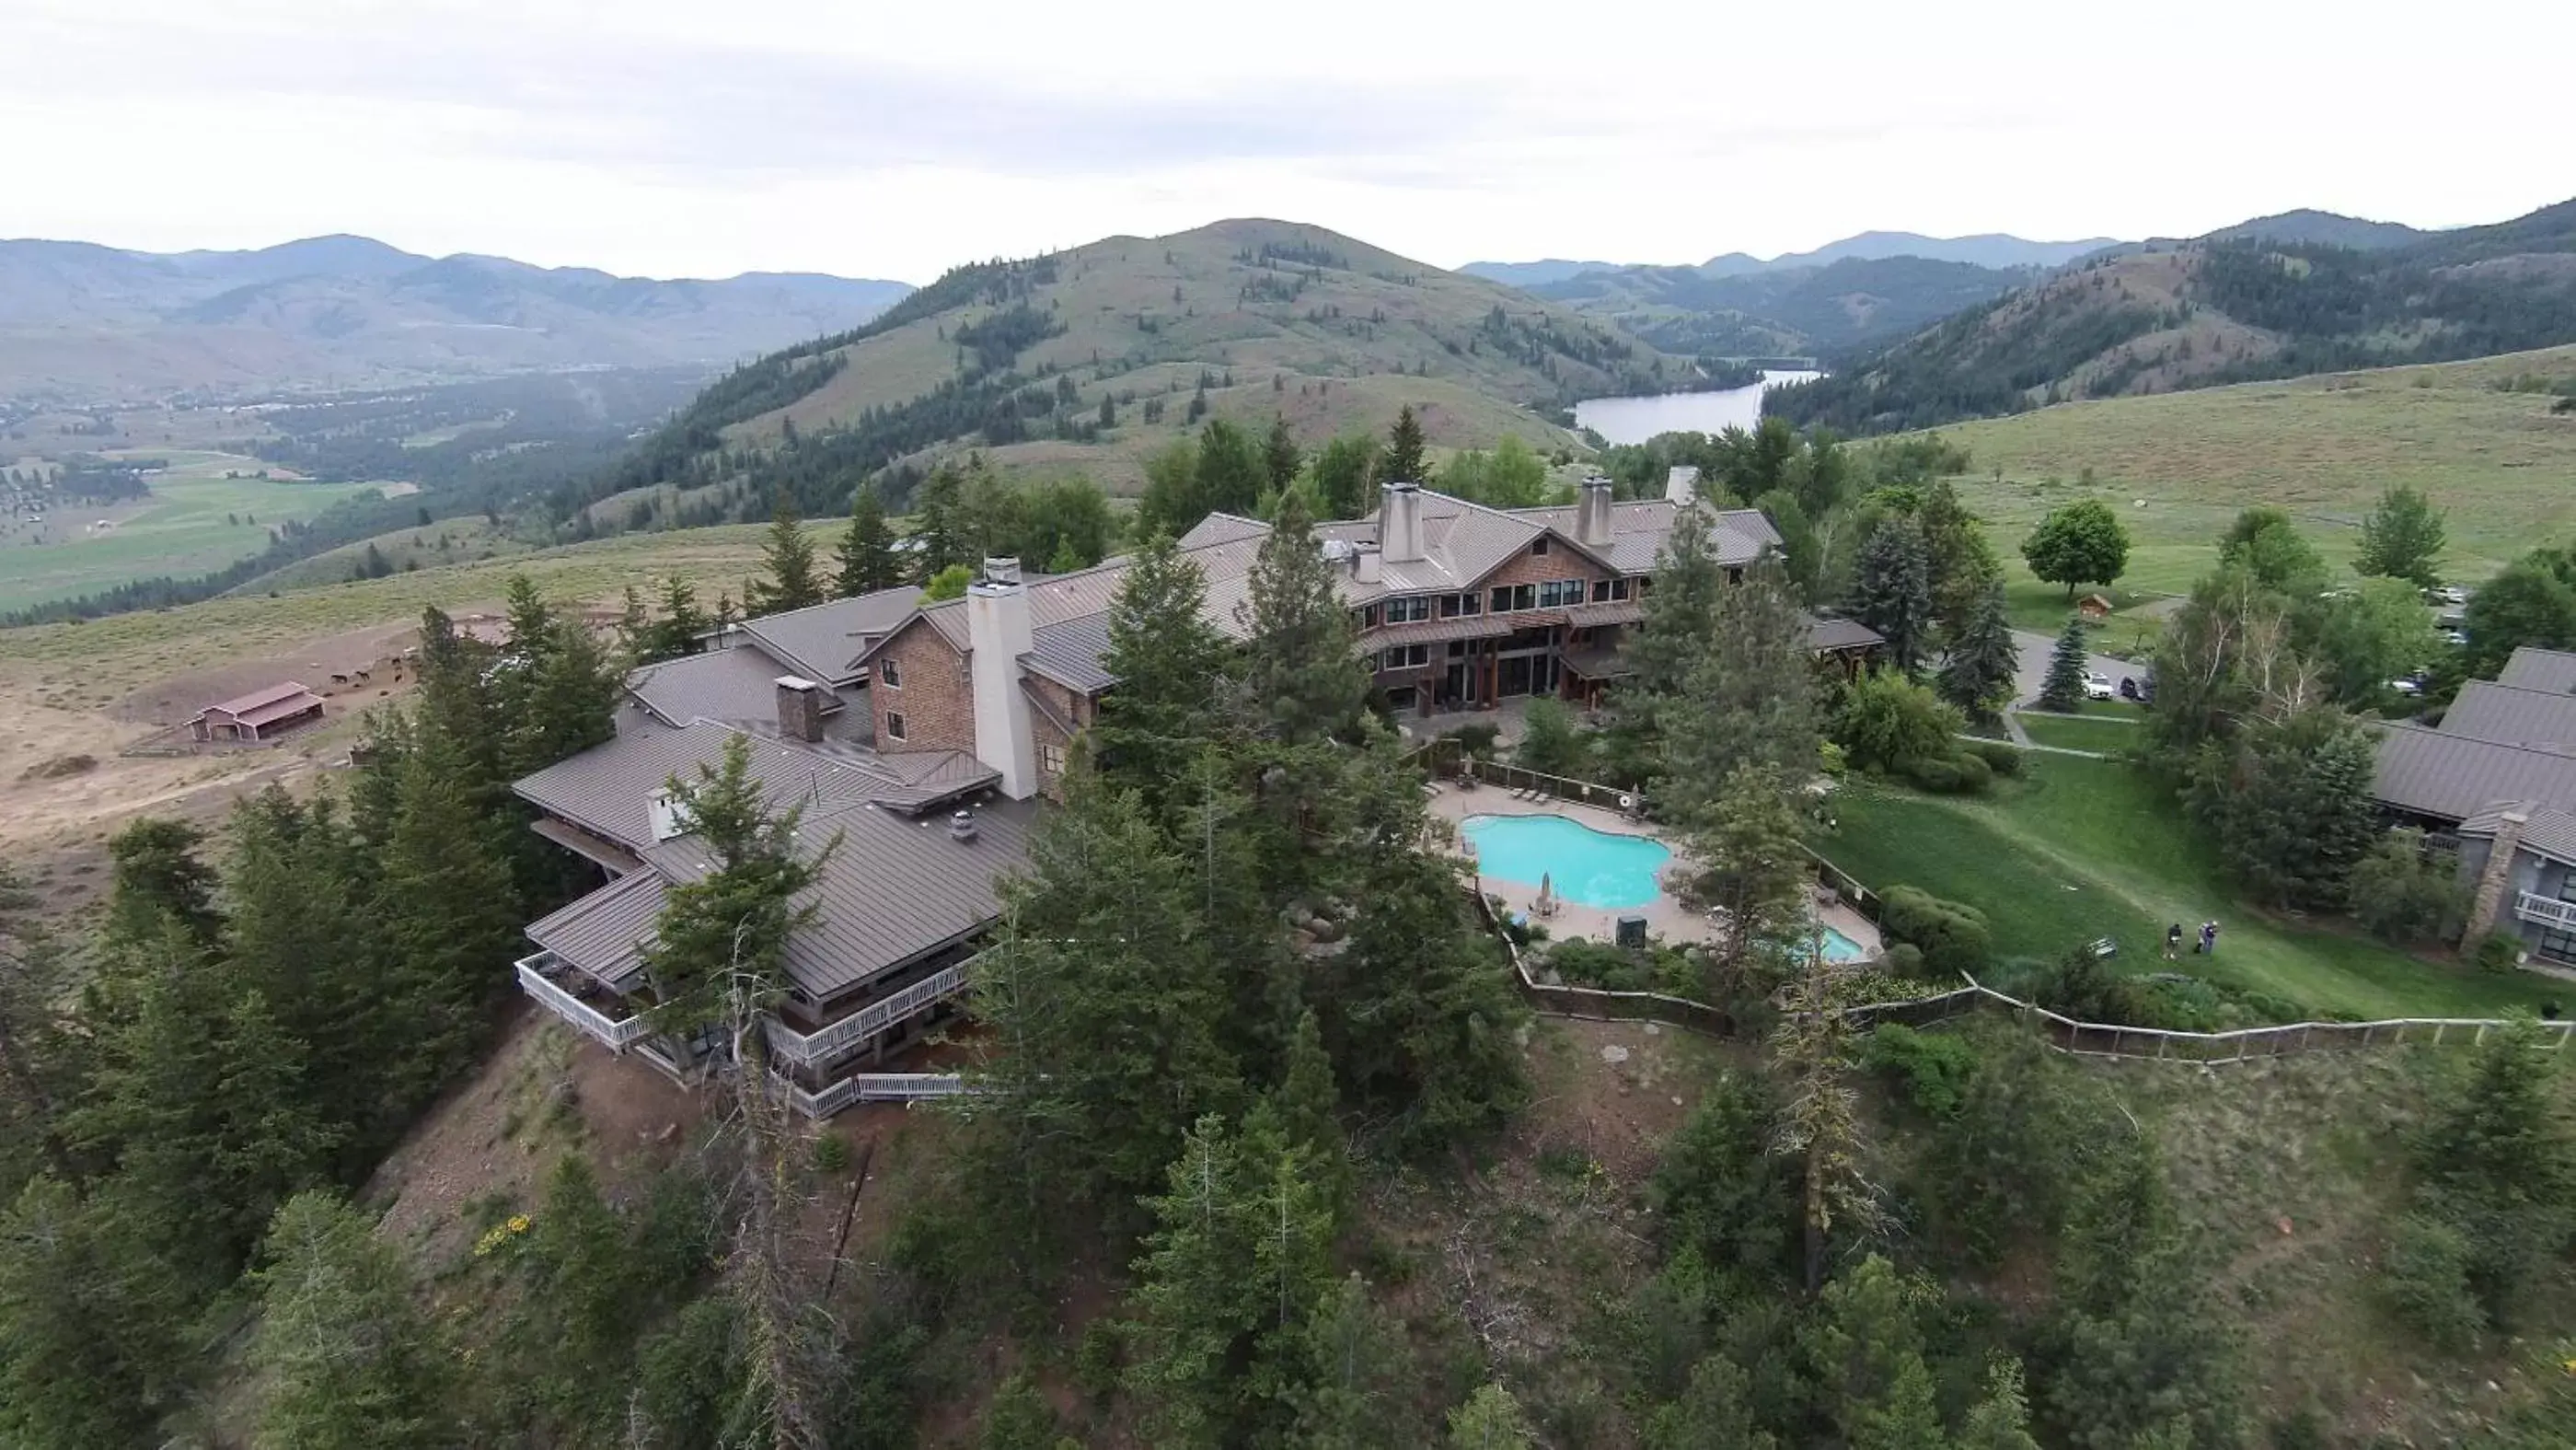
(796, 682)
(1001, 569)
(1401, 485)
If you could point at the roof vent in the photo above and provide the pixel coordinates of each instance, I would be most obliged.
(670, 818)
(961, 828)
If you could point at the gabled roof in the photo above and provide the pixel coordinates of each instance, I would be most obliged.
(2547, 830)
(608, 789)
(2451, 777)
(268, 704)
(824, 642)
(605, 933)
(2532, 719)
(2533, 668)
(1639, 527)
(893, 889)
(737, 686)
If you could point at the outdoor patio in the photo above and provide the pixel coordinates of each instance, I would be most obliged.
(1665, 917)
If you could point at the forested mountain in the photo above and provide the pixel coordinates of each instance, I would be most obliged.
(1783, 311)
(1532, 274)
(2238, 306)
(83, 323)
(1093, 358)
(1988, 249)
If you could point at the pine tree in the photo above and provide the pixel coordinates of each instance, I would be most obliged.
(634, 627)
(1680, 616)
(447, 912)
(1983, 661)
(1870, 1348)
(2001, 1420)
(1280, 455)
(1748, 697)
(1820, 1120)
(567, 703)
(300, 936)
(675, 634)
(1305, 681)
(93, 1339)
(1355, 1391)
(1403, 462)
(795, 577)
(1173, 671)
(1490, 1420)
(2064, 689)
(351, 1363)
(1712, 1413)
(158, 873)
(1892, 591)
(719, 948)
(42, 1056)
(1757, 872)
(937, 507)
(867, 556)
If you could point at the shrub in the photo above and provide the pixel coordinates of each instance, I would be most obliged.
(831, 1153)
(1934, 1068)
(1888, 723)
(1954, 939)
(1476, 740)
(2426, 1283)
(1551, 743)
(1939, 776)
(1601, 964)
(2498, 951)
(1904, 959)
(2000, 757)
(1974, 774)
(2401, 894)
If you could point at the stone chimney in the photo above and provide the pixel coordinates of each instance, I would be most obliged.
(2488, 908)
(999, 632)
(1365, 565)
(1399, 522)
(800, 709)
(1592, 513)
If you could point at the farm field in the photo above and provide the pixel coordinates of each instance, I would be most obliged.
(2323, 448)
(198, 521)
(2079, 849)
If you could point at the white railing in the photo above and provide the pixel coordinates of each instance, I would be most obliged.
(852, 1031)
(612, 1033)
(869, 1087)
(2545, 909)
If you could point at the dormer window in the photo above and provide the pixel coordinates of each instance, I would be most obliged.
(1539, 544)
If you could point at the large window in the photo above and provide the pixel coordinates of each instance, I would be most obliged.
(889, 674)
(1605, 590)
(1408, 611)
(1558, 592)
(1405, 656)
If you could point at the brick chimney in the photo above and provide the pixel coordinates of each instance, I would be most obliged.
(1592, 513)
(998, 630)
(1399, 522)
(800, 709)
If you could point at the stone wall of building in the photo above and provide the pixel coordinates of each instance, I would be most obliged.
(936, 698)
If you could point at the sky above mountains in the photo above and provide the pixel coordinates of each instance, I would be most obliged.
(661, 138)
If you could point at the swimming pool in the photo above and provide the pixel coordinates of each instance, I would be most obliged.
(1582, 865)
(1840, 949)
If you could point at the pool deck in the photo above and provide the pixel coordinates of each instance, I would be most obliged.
(1665, 917)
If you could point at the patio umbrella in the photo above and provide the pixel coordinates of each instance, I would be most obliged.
(1546, 888)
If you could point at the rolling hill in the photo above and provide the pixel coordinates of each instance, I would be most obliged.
(85, 323)
(1090, 359)
(1782, 311)
(2241, 305)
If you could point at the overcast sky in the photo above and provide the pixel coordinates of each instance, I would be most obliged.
(709, 137)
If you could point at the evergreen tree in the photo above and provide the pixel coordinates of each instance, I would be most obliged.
(1240, 1252)
(1173, 502)
(1870, 1349)
(795, 577)
(41, 1049)
(1680, 617)
(1820, 1121)
(936, 509)
(446, 913)
(1232, 472)
(2001, 1420)
(1403, 462)
(2496, 1164)
(1345, 474)
(634, 627)
(675, 634)
(92, 1337)
(1747, 697)
(300, 936)
(1712, 1413)
(1355, 1392)
(2063, 690)
(1724, 1193)
(1984, 660)
(1172, 668)
(1892, 592)
(867, 557)
(1756, 875)
(351, 1364)
(2402, 538)
(1100, 999)
(1280, 456)
(1305, 681)
(566, 702)
(158, 874)
(1490, 1420)
(2290, 805)
(719, 948)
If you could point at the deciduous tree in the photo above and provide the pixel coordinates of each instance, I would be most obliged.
(2402, 538)
(2078, 543)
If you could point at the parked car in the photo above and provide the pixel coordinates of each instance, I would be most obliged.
(2097, 686)
(2407, 688)
(2455, 636)
(2454, 594)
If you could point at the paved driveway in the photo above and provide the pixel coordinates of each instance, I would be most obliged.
(2035, 650)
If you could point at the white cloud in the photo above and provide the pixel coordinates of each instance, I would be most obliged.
(683, 138)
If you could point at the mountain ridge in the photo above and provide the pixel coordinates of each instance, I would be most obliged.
(81, 321)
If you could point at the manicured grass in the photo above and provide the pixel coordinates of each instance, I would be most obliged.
(195, 524)
(2079, 849)
(2080, 732)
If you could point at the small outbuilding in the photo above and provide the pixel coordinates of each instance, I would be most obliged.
(260, 715)
(2094, 607)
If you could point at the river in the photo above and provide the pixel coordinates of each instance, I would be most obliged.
(1634, 420)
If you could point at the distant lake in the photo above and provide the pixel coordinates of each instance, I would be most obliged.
(1634, 420)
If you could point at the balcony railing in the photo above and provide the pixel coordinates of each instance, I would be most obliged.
(869, 1087)
(615, 1033)
(2548, 911)
(836, 1038)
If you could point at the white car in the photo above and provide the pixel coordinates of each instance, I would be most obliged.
(2097, 686)
(2455, 636)
(2454, 594)
(2406, 687)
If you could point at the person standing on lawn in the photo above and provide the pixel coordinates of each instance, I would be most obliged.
(2173, 942)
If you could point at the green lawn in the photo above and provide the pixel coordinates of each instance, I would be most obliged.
(195, 524)
(2079, 849)
(2080, 732)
